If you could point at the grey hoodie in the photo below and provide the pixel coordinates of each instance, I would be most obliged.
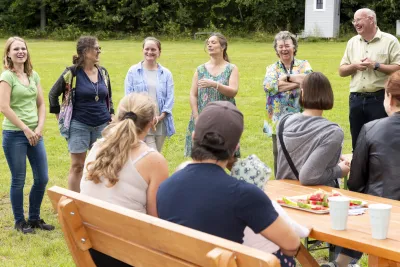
(315, 146)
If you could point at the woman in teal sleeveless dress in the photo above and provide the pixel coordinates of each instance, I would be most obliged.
(216, 80)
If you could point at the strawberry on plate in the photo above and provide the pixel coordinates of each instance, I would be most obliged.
(317, 195)
(318, 207)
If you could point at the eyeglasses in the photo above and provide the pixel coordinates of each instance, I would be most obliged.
(355, 21)
(97, 49)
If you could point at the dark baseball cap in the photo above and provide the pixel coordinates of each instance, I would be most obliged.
(223, 118)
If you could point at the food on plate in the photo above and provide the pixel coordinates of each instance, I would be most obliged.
(354, 202)
(289, 202)
(317, 201)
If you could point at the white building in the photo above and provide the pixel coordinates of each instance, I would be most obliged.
(322, 18)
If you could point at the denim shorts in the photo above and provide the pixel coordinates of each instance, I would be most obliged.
(82, 136)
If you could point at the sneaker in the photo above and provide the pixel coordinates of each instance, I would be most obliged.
(24, 227)
(330, 264)
(40, 224)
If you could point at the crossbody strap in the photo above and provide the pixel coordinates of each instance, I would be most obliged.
(287, 156)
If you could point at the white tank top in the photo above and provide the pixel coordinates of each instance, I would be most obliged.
(130, 191)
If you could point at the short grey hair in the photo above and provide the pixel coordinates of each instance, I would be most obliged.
(283, 36)
(369, 13)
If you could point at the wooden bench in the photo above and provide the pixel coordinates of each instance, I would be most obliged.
(142, 240)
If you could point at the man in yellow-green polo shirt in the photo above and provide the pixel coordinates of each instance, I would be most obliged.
(370, 57)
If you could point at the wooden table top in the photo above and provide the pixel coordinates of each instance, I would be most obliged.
(357, 236)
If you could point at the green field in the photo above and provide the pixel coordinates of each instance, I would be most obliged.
(50, 59)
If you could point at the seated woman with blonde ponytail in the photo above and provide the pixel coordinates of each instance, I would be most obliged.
(120, 167)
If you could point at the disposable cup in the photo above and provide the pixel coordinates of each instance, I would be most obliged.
(339, 210)
(380, 217)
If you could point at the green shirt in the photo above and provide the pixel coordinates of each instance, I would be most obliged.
(22, 100)
(383, 48)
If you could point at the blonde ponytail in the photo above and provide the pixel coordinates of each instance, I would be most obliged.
(136, 111)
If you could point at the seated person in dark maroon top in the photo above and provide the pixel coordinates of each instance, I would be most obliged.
(204, 197)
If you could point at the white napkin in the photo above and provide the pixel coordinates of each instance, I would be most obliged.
(359, 211)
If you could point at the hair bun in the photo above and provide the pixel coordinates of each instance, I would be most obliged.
(75, 59)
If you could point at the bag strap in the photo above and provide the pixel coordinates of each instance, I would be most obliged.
(73, 72)
(287, 156)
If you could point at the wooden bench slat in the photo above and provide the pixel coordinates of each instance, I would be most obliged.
(130, 252)
(81, 257)
(305, 258)
(73, 221)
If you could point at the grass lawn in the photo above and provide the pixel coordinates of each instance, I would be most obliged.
(50, 59)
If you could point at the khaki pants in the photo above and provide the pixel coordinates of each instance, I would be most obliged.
(155, 141)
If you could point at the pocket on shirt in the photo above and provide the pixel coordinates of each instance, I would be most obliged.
(382, 58)
(138, 86)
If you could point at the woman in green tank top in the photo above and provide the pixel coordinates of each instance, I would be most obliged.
(215, 80)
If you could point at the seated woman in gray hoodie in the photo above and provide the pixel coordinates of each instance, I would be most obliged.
(310, 146)
(313, 144)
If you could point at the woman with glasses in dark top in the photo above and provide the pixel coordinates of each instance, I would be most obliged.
(86, 104)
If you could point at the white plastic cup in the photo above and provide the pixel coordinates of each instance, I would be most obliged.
(339, 211)
(380, 217)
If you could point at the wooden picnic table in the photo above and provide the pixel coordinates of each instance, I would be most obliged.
(357, 236)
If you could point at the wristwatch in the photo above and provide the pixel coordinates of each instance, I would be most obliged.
(377, 65)
(288, 78)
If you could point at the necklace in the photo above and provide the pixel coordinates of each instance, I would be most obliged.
(287, 71)
(96, 88)
(96, 98)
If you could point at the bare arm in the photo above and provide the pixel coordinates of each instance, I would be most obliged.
(193, 96)
(230, 90)
(384, 68)
(41, 110)
(5, 94)
(297, 78)
(279, 228)
(158, 175)
(388, 69)
(287, 86)
(348, 69)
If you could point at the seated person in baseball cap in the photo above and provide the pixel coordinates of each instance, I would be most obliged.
(204, 197)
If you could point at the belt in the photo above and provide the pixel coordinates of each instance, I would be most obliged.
(369, 94)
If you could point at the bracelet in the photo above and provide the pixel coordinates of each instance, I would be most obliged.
(217, 86)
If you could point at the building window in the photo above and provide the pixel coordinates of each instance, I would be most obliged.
(319, 4)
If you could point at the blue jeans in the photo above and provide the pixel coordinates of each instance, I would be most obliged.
(365, 107)
(16, 148)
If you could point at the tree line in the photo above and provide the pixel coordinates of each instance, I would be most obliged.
(176, 17)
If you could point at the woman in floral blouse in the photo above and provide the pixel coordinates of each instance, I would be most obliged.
(282, 83)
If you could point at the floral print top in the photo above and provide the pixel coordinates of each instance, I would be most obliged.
(210, 94)
(281, 103)
(207, 95)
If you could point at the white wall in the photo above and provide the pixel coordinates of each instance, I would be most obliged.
(398, 27)
(322, 23)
